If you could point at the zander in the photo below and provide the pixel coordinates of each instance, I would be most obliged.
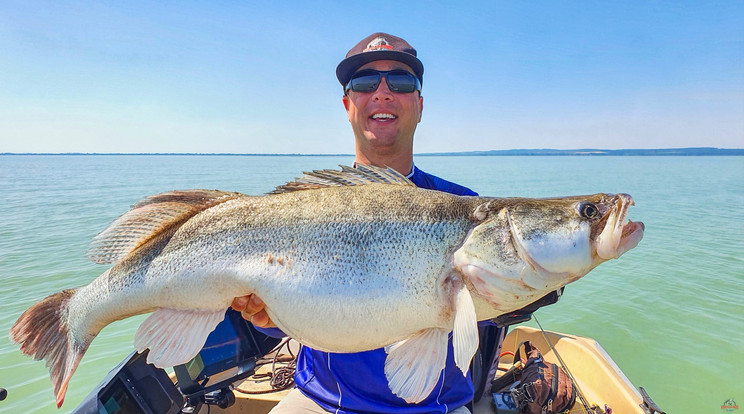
(345, 261)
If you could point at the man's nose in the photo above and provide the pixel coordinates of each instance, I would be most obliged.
(383, 93)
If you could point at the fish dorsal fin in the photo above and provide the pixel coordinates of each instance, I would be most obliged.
(361, 175)
(149, 218)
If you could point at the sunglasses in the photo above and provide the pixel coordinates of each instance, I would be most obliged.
(368, 80)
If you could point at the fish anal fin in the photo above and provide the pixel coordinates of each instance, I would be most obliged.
(150, 217)
(465, 332)
(174, 337)
(413, 366)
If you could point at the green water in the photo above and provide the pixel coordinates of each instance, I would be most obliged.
(670, 312)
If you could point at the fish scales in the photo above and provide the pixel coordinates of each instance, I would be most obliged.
(339, 252)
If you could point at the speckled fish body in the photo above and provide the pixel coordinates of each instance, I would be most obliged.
(345, 262)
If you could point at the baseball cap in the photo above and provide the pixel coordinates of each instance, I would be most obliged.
(379, 46)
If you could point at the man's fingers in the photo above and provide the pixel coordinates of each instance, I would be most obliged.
(251, 307)
(240, 303)
(261, 319)
(254, 305)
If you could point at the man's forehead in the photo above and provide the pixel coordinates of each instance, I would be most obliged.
(386, 65)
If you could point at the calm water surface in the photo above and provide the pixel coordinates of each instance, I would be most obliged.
(670, 312)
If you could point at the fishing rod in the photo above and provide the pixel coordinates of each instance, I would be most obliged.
(565, 367)
(648, 405)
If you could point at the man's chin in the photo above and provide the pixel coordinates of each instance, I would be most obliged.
(381, 139)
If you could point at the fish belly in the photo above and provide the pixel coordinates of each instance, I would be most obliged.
(351, 316)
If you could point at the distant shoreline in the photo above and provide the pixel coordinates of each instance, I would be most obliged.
(694, 151)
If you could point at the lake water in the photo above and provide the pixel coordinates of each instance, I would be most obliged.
(670, 312)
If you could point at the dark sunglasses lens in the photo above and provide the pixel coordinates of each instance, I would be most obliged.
(365, 82)
(401, 81)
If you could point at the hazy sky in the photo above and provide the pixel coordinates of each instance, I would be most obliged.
(259, 77)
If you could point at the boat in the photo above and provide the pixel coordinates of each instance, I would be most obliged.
(252, 374)
(601, 382)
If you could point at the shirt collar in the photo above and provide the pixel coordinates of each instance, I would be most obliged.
(413, 169)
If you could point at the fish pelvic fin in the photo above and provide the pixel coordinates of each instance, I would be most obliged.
(413, 366)
(465, 333)
(348, 176)
(149, 218)
(43, 334)
(174, 337)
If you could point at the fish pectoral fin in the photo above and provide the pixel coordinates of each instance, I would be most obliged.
(465, 333)
(414, 365)
(174, 337)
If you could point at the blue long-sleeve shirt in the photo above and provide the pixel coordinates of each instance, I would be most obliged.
(356, 382)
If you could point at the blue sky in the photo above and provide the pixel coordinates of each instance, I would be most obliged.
(259, 77)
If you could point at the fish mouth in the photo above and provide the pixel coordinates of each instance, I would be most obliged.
(618, 235)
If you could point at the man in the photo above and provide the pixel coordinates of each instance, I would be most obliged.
(382, 79)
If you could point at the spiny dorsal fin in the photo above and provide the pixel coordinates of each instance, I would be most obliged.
(150, 217)
(361, 175)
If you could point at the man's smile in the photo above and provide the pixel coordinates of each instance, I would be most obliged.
(384, 117)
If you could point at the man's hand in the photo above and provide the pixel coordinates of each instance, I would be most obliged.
(252, 309)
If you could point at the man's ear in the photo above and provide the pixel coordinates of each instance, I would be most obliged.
(421, 106)
(345, 99)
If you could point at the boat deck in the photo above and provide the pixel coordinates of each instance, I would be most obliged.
(600, 380)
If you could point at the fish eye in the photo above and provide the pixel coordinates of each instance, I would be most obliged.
(588, 210)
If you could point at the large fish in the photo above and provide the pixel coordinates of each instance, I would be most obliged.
(345, 261)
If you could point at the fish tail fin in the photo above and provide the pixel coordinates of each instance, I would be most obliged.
(43, 333)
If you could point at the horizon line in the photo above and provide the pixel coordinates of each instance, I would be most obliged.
(520, 151)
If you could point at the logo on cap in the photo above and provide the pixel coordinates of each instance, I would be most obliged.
(377, 44)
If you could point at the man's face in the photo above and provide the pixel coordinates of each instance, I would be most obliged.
(383, 121)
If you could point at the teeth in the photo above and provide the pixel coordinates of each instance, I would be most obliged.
(608, 240)
(379, 116)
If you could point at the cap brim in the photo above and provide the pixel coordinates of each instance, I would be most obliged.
(348, 66)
